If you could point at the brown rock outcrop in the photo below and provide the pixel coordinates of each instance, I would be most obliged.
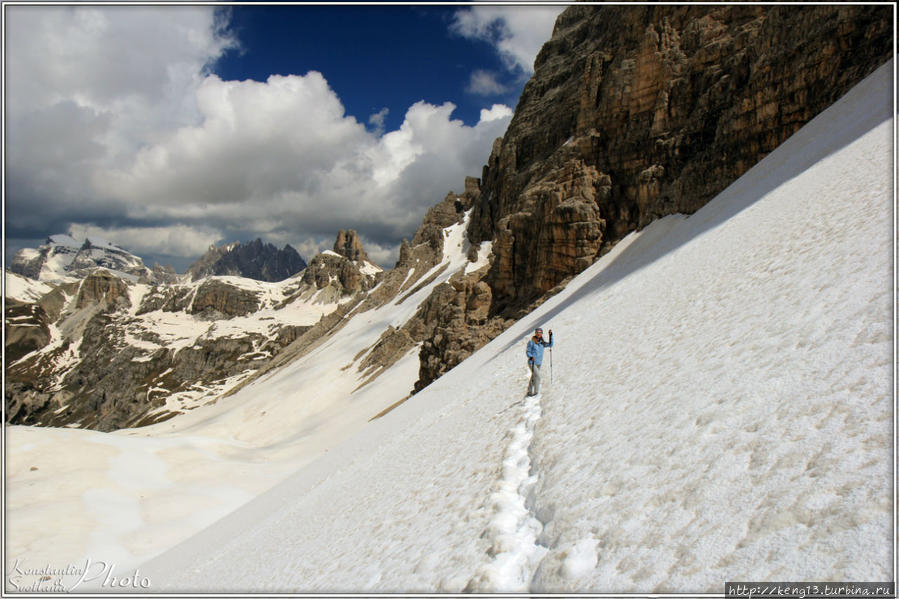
(26, 328)
(103, 287)
(460, 325)
(340, 273)
(637, 112)
(230, 300)
(349, 245)
(344, 270)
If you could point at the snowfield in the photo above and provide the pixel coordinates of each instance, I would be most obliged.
(211, 460)
(22, 288)
(718, 407)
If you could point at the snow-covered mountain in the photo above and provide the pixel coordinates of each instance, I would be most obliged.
(719, 408)
(106, 351)
(64, 259)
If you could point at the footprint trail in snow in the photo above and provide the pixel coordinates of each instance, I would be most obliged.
(513, 530)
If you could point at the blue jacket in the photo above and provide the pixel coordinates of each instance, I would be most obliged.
(535, 350)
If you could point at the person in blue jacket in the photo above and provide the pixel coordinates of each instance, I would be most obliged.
(535, 358)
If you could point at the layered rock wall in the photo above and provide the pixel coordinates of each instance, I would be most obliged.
(349, 245)
(634, 113)
(637, 112)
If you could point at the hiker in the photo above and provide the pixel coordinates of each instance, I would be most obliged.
(535, 358)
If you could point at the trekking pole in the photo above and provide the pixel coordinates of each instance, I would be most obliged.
(550, 366)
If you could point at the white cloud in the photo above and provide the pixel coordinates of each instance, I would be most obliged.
(484, 83)
(496, 112)
(165, 159)
(302, 165)
(86, 87)
(518, 32)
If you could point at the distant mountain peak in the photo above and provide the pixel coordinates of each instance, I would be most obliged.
(254, 260)
(64, 258)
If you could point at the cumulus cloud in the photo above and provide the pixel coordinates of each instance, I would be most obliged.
(169, 158)
(517, 32)
(134, 65)
(85, 88)
(495, 113)
(282, 156)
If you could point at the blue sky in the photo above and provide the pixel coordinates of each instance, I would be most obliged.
(374, 57)
(167, 129)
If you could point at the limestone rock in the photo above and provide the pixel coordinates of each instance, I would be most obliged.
(63, 259)
(349, 245)
(103, 287)
(26, 327)
(637, 112)
(224, 298)
(166, 298)
(634, 113)
(459, 326)
(164, 275)
(342, 275)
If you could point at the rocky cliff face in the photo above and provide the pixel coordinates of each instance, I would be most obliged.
(634, 113)
(349, 245)
(344, 271)
(254, 260)
(26, 327)
(637, 112)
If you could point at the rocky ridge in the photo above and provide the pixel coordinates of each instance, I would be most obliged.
(634, 113)
(254, 260)
(109, 351)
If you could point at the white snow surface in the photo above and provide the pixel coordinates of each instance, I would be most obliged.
(368, 268)
(720, 407)
(22, 288)
(175, 330)
(215, 457)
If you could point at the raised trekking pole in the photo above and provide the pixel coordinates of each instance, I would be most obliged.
(550, 357)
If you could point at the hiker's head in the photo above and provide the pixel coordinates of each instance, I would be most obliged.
(538, 332)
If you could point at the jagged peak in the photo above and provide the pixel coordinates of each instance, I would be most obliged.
(349, 245)
(255, 260)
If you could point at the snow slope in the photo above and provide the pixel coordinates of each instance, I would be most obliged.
(720, 408)
(127, 496)
(22, 288)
